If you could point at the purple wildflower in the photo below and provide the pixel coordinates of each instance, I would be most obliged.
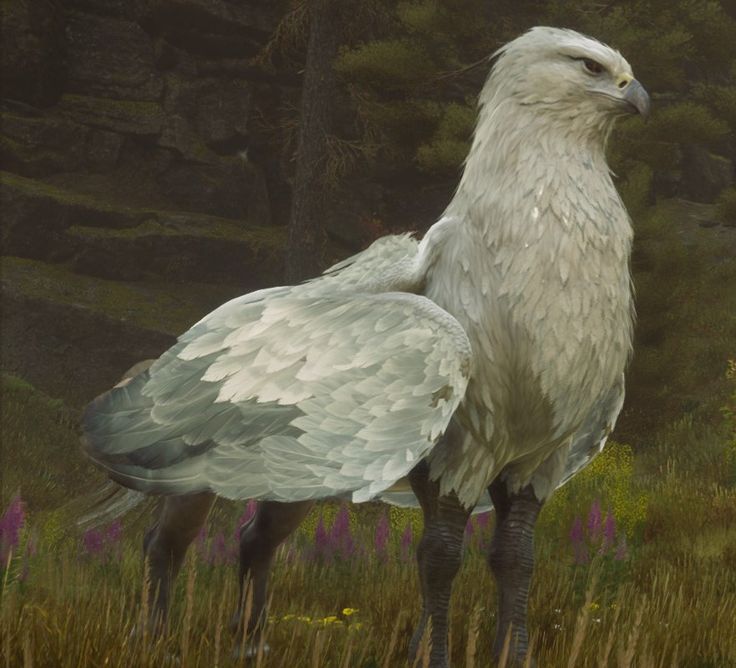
(383, 530)
(407, 540)
(609, 533)
(11, 524)
(94, 542)
(594, 520)
(577, 539)
(321, 540)
(482, 520)
(341, 524)
(341, 538)
(218, 550)
(114, 532)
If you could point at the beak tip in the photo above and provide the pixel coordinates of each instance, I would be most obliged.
(637, 96)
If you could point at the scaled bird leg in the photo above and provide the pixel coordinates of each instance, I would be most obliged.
(511, 558)
(166, 543)
(272, 523)
(439, 556)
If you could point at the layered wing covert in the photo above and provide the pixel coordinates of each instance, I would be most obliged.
(285, 395)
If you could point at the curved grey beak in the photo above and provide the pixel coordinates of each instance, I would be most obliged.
(637, 98)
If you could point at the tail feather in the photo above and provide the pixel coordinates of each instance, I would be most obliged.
(107, 504)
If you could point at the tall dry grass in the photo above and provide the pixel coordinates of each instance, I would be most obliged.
(673, 610)
(670, 602)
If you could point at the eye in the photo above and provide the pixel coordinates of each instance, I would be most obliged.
(593, 66)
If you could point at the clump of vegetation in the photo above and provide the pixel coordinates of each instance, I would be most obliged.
(608, 481)
(616, 552)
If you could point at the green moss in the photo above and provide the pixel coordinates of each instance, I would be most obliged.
(23, 153)
(159, 307)
(136, 222)
(161, 224)
(35, 188)
(132, 116)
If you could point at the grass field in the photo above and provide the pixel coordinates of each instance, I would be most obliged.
(636, 566)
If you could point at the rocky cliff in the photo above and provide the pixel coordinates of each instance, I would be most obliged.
(138, 187)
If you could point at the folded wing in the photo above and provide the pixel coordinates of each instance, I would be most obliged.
(287, 395)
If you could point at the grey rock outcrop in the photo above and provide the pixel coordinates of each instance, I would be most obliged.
(128, 163)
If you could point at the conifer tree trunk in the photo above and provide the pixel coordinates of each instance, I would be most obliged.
(306, 244)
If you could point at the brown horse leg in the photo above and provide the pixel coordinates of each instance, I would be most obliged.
(272, 523)
(166, 543)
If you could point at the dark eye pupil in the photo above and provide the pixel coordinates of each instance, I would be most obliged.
(592, 66)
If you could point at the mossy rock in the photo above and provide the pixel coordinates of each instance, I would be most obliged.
(135, 117)
(73, 336)
(36, 216)
(40, 144)
(110, 58)
(120, 242)
(182, 247)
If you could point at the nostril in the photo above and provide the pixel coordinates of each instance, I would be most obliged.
(623, 83)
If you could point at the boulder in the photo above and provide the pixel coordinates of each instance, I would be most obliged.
(134, 117)
(213, 28)
(111, 58)
(37, 144)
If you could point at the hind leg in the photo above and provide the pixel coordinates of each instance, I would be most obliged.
(272, 523)
(166, 543)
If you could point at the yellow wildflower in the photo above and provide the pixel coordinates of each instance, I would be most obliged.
(349, 611)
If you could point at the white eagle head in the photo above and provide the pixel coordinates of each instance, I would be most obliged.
(567, 77)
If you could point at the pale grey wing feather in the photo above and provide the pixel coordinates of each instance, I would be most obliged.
(591, 438)
(286, 396)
